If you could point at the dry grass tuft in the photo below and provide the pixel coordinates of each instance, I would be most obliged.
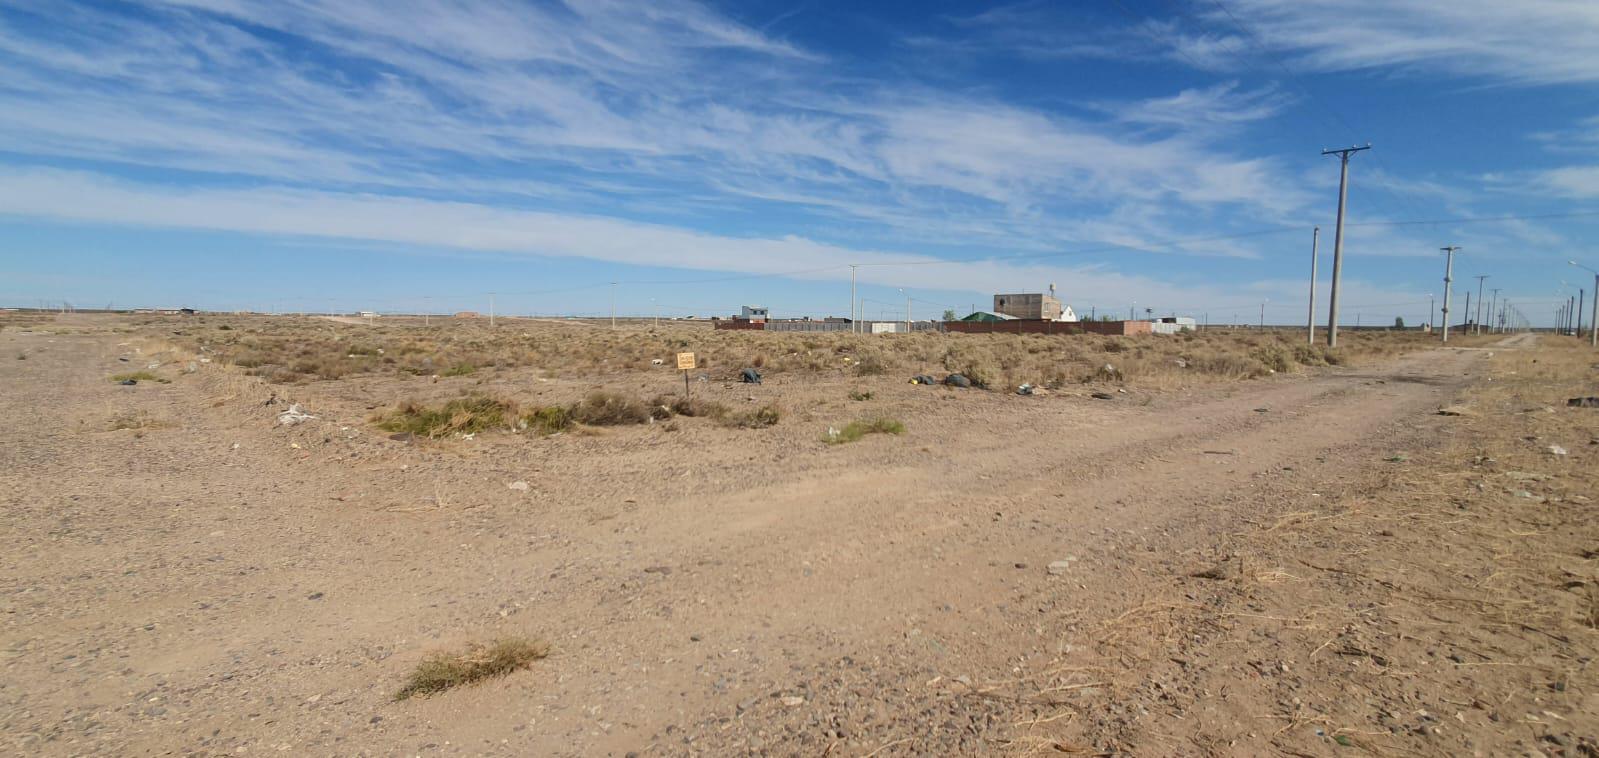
(443, 671)
(855, 430)
(138, 376)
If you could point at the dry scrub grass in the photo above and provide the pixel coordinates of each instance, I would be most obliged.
(443, 671)
(137, 376)
(855, 430)
(472, 414)
(290, 350)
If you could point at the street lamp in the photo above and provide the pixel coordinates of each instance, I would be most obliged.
(1593, 321)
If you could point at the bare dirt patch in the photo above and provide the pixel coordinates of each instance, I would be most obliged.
(1303, 564)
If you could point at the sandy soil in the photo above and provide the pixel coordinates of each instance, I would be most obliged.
(1013, 573)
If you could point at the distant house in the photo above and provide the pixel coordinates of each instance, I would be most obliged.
(986, 316)
(753, 313)
(1034, 306)
(186, 311)
(468, 314)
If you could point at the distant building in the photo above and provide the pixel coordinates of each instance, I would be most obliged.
(1033, 306)
(753, 313)
(468, 314)
(988, 316)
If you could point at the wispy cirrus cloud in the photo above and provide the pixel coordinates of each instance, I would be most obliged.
(655, 110)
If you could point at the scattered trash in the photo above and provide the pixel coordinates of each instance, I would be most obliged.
(793, 700)
(124, 360)
(923, 379)
(749, 376)
(294, 415)
(1180, 363)
(957, 380)
(1102, 396)
(402, 437)
(657, 362)
(1108, 371)
(128, 382)
(1556, 450)
(1396, 459)
(518, 486)
(1056, 568)
(1583, 402)
(1263, 410)
(1025, 389)
(1454, 410)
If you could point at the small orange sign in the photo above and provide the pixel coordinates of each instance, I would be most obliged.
(685, 361)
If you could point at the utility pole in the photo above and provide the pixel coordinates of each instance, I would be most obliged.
(1310, 320)
(1338, 239)
(907, 309)
(1432, 310)
(854, 325)
(1477, 321)
(613, 305)
(657, 308)
(1449, 274)
(491, 310)
(1593, 316)
(1492, 303)
(1578, 314)
(1263, 312)
(1468, 304)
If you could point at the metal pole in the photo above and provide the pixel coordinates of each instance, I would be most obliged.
(1310, 320)
(613, 305)
(1432, 310)
(1263, 315)
(1449, 277)
(491, 310)
(1477, 327)
(1338, 240)
(1493, 302)
(1468, 303)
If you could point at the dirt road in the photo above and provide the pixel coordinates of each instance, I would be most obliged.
(215, 583)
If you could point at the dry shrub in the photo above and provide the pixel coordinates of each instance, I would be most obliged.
(548, 420)
(692, 407)
(764, 416)
(870, 364)
(1273, 357)
(442, 671)
(603, 408)
(465, 415)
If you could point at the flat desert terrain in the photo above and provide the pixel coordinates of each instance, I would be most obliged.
(1233, 549)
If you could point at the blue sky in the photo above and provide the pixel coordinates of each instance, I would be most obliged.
(363, 154)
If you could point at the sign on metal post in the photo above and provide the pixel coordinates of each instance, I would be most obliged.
(685, 364)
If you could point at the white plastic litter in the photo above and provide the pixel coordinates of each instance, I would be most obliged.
(294, 415)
